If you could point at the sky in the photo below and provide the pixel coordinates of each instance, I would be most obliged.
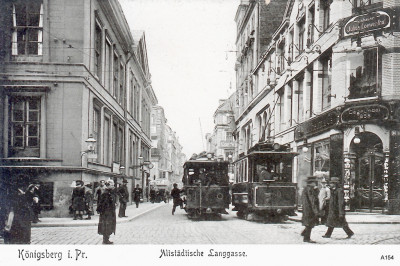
(190, 49)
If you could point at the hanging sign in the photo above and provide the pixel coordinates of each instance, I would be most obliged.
(356, 114)
(367, 22)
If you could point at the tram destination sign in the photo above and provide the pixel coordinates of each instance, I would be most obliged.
(367, 22)
(356, 114)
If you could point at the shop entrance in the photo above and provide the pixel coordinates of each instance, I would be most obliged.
(369, 172)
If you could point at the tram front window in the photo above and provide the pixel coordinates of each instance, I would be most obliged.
(267, 171)
(207, 177)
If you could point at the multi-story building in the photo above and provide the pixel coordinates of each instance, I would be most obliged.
(221, 141)
(166, 154)
(72, 72)
(327, 87)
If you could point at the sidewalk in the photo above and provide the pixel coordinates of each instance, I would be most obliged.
(361, 218)
(131, 211)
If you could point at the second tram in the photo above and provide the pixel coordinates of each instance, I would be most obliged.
(264, 188)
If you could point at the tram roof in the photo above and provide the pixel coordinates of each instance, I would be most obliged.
(268, 153)
(199, 162)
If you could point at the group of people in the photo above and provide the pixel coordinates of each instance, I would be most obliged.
(20, 206)
(106, 195)
(326, 204)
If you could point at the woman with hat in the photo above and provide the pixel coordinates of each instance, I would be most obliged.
(106, 209)
(336, 214)
(78, 200)
(310, 208)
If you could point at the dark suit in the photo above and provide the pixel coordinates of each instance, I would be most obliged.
(123, 196)
(137, 192)
(310, 210)
(107, 220)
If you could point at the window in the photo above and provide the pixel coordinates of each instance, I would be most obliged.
(121, 85)
(326, 9)
(302, 30)
(310, 91)
(136, 102)
(115, 73)
(131, 93)
(291, 44)
(106, 154)
(299, 92)
(360, 3)
(321, 158)
(229, 136)
(311, 28)
(27, 32)
(107, 66)
(290, 102)
(365, 74)
(97, 130)
(24, 134)
(115, 144)
(98, 50)
(281, 105)
(326, 74)
(281, 58)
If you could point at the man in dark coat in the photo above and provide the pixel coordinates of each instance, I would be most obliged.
(310, 208)
(99, 190)
(36, 208)
(20, 215)
(336, 213)
(123, 196)
(176, 196)
(106, 209)
(89, 198)
(78, 200)
(137, 192)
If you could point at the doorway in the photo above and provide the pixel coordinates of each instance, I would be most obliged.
(369, 191)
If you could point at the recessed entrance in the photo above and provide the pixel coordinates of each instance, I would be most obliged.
(369, 194)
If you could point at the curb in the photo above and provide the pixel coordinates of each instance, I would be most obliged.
(297, 220)
(94, 223)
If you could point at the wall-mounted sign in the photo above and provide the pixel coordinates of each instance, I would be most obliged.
(355, 114)
(227, 144)
(367, 22)
(318, 124)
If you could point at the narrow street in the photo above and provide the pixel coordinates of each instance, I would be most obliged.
(160, 227)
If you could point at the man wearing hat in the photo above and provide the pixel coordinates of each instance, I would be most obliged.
(78, 200)
(89, 198)
(106, 209)
(310, 208)
(323, 198)
(336, 214)
(123, 196)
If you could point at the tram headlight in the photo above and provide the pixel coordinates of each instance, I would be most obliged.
(220, 196)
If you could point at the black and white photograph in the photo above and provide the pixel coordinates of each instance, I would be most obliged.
(200, 131)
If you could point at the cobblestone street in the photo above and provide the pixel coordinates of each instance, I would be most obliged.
(160, 227)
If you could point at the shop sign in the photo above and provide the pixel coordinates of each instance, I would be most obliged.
(365, 113)
(227, 144)
(367, 22)
(317, 124)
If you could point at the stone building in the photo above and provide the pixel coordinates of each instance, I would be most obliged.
(72, 73)
(166, 152)
(327, 87)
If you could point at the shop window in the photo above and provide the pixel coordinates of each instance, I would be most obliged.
(27, 31)
(365, 74)
(24, 125)
(321, 159)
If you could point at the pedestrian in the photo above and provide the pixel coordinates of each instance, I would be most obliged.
(152, 194)
(123, 196)
(17, 228)
(336, 214)
(323, 199)
(99, 190)
(89, 198)
(310, 208)
(106, 209)
(36, 208)
(176, 196)
(137, 192)
(78, 200)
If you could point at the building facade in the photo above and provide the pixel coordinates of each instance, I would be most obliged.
(72, 72)
(327, 88)
(166, 154)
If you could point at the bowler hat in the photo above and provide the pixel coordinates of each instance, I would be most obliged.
(79, 182)
(89, 185)
(334, 179)
(125, 181)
